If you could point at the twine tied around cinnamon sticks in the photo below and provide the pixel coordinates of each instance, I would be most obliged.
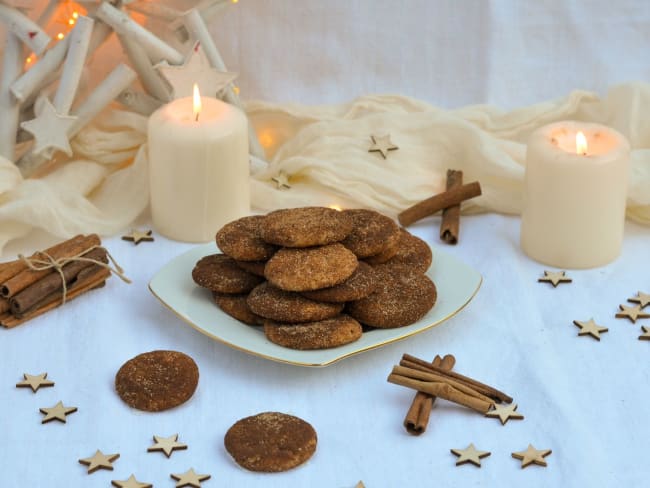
(50, 263)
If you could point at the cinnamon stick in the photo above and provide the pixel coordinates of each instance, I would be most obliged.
(4, 305)
(417, 363)
(438, 202)
(443, 390)
(450, 224)
(65, 249)
(21, 302)
(11, 269)
(417, 417)
(93, 277)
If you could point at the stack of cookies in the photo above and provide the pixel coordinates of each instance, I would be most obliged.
(312, 276)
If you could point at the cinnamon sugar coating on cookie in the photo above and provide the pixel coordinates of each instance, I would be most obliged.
(286, 306)
(220, 273)
(404, 296)
(360, 284)
(310, 268)
(270, 442)
(241, 240)
(411, 251)
(323, 334)
(305, 227)
(236, 306)
(255, 267)
(372, 233)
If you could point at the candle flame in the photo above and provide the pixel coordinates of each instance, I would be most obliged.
(336, 207)
(581, 144)
(197, 102)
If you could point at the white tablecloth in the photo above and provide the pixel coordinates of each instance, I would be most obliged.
(585, 400)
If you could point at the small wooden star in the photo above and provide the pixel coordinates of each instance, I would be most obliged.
(382, 145)
(49, 128)
(130, 483)
(281, 180)
(35, 382)
(590, 328)
(469, 455)
(646, 334)
(555, 278)
(643, 299)
(532, 456)
(137, 236)
(167, 444)
(632, 313)
(505, 413)
(190, 478)
(57, 412)
(99, 461)
(196, 69)
(360, 485)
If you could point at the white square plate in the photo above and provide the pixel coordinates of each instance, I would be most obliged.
(456, 282)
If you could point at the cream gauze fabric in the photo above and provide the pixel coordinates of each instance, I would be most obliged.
(324, 152)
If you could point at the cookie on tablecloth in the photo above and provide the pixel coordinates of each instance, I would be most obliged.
(411, 251)
(286, 306)
(157, 380)
(220, 273)
(310, 268)
(305, 227)
(271, 442)
(404, 295)
(372, 233)
(241, 240)
(236, 306)
(360, 284)
(323, 334)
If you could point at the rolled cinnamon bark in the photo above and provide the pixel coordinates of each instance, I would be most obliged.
(22, 302)
(417, 417)
(66, 249)
(11, 269)
(93, 277)
(450, 224)
(438, 202)
(4, 305)
(436, 378)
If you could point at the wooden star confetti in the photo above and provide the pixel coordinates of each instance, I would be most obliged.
(99, 461)
(646, 334)
(137, 236)
(643, 299)
(382, 144)
(469, 455)
(57, 412)
(281, 180)
(632, 313)
(167, 444)
(190, 478)
(50, 129)
(555, 278)
(35, 382)
(130, 483)
(360, 485)
(590, 328)
(505, 413)
(532, 456)
(196, 69)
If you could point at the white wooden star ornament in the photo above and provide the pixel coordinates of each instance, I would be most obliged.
(167, 445)
(532, 456)
(196, 69)
(50, 129)
(57, 412)
(189, 478)
(469, 455)
(130, 483)
(137, 236)
(555, 278)
(99, 461)
(643, 299)
(35, 382)
(505, 413)
(632, 313)
(590, 327)
(382, 144)
(281, 180)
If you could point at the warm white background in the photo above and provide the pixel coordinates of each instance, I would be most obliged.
(585, 400)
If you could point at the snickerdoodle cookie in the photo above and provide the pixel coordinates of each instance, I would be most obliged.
(305, 227)
(236, 306)
(220, 273)
(241, 240)
(360, 284)
(323, 334)
(372, 233)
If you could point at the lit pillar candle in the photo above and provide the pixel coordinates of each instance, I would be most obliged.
(198, 161)
(575, 193)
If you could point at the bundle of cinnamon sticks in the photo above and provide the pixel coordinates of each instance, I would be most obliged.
(436, 379)
(36, 284)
